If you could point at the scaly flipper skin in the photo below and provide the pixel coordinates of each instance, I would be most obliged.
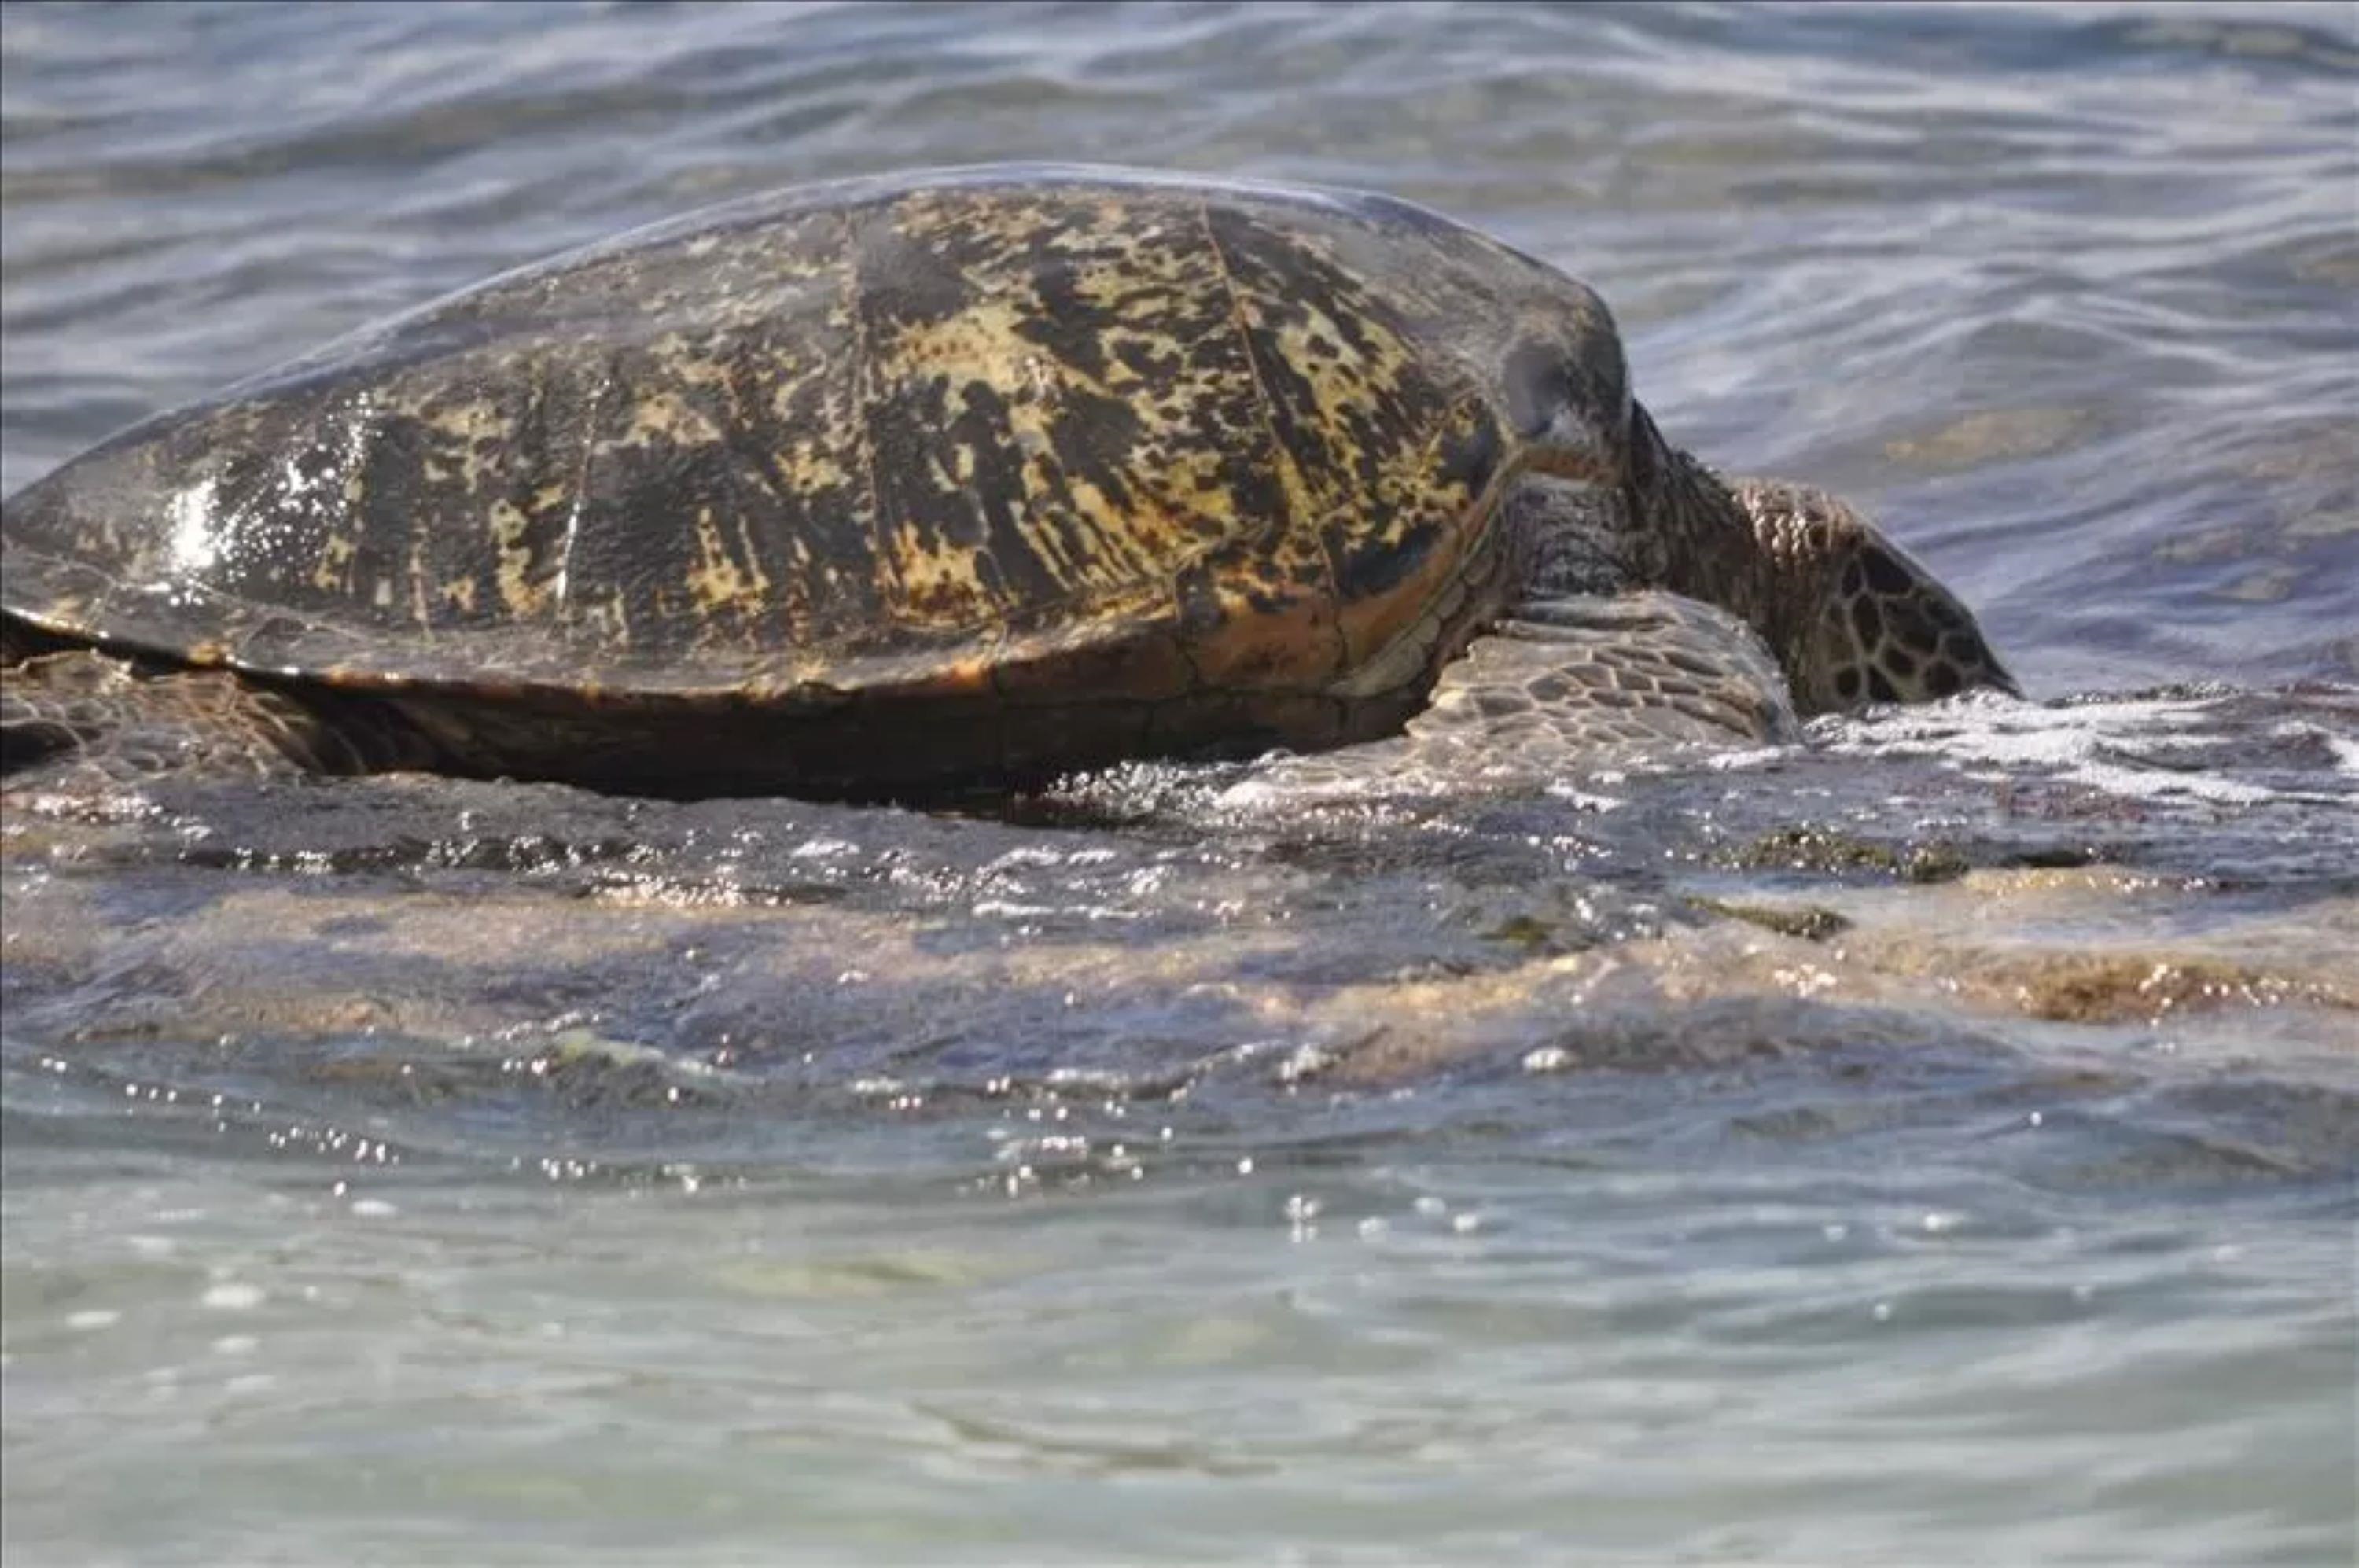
(1569, 677)
(1865, 622)
(85, 718)
(1572, 682)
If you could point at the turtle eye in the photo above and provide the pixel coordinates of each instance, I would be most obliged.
(1537, 385)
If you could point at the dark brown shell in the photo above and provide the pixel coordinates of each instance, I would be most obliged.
(995, 433)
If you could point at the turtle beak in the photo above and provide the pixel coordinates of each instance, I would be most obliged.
(1540, 386)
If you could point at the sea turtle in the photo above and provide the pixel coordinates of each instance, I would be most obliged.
(968, 476)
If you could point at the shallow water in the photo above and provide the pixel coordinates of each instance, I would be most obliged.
(1937, 1146)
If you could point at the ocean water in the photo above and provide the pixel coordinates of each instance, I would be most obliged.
(1934, 1146)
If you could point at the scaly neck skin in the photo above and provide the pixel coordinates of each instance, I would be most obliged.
(1696, 538)
(1850, 617)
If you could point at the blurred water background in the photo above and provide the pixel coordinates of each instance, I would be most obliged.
(398, 1171)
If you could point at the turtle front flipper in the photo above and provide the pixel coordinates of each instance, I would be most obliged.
(1858, 618)
(105, 717)
(1571, 682)
(1569, 678)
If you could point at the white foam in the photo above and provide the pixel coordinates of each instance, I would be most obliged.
(1984, 732)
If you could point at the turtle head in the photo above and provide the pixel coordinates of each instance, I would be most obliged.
(1592, 497)
(1853, 618)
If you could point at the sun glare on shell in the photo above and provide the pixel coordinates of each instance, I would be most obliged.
(195, 542)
